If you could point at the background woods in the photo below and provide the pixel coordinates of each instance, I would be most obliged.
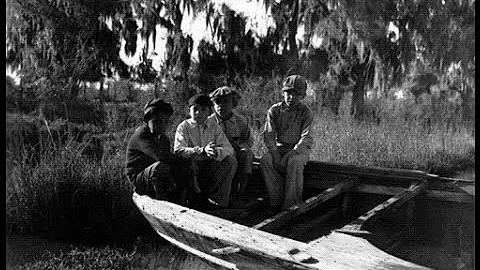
(391, 84)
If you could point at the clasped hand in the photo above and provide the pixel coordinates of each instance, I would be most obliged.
(210, 150)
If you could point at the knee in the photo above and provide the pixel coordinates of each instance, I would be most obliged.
(161, 169)
(230, 161)
(245, 154)
(295, 160)
(266, 160)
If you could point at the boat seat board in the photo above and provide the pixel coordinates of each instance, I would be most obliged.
(251, 241)
(357, 225)
(298, 209)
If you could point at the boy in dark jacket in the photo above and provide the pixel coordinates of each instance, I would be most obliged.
(150, 166)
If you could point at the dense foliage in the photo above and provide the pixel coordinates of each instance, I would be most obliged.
(66, 135)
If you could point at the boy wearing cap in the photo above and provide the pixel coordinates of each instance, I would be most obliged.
(150, 166)
(288, 139)
(203, 141)
(237, 130)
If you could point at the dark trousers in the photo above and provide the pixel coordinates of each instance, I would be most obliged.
(216, 178)
(162, 181)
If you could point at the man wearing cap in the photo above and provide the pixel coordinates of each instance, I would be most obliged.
(203, 141)
(287, 136)
(237, 130)
(150, 166)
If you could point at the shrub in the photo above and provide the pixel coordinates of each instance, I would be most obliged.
(83, 258)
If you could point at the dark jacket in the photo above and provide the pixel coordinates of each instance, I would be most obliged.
(144, 149)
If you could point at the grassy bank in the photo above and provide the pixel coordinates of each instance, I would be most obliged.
(64, 194)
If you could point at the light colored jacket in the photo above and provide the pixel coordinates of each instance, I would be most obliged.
(190, 136)
(236, 129)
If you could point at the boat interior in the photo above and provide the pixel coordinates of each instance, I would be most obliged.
(417, 219)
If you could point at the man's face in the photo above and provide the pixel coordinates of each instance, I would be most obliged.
(223, 106)
(200, 113)
(158, 123)
(291, 98)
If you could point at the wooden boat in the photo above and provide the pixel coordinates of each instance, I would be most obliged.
(353, 217)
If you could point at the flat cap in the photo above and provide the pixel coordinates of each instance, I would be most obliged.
(200, 99)
(154, 106)
(222, 91)
(225, 91)
(296, 83)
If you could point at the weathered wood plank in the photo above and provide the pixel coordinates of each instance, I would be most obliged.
(427, 193)
(449, 196)
(375, 172)
(287, 215)
(259, 246)
(395, 201)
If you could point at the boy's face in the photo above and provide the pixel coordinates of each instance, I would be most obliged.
(158, 123)
(291, 98)
(223, 106)
(200, 113)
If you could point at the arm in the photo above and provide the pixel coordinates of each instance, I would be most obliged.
(158, 150)
(305, 144)
(269, 137)
(270, 131)
(224, 148)
(246, 140)
(181, 146)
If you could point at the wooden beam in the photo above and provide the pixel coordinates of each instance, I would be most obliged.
(394, 202)
(294, 211)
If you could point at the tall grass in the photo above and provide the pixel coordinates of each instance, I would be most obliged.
(65, 194)
(68, 195)
(394, 145)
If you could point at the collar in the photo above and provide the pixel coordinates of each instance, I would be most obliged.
(285, 107)
(220, 119)
(195, 124)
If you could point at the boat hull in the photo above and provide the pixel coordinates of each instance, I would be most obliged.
(206, 236)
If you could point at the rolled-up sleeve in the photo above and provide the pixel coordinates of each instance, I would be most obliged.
(181, 146)
(305, 144)
(269, 131)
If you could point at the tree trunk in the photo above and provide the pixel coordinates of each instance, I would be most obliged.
(101, 95)
(292, 31)
(358, 98)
